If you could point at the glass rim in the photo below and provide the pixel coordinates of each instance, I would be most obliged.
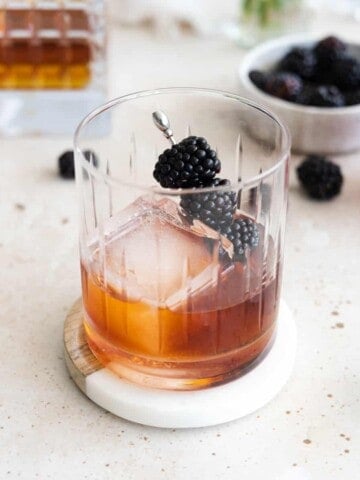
(93, 171)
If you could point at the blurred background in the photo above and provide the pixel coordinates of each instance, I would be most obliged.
(55, 66)
(74, 54)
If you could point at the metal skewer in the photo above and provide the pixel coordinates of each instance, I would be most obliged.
(162, 122)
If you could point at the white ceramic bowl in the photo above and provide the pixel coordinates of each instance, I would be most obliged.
(313, 129)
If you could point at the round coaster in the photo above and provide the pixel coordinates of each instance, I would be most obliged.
(180, 409)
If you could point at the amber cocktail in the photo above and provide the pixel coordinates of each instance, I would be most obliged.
(172, 299)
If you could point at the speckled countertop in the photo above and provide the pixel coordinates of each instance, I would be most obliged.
(49, 430)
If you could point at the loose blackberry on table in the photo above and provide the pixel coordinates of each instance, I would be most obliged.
(321, 178)
(215, 209)
(66, 163)
(190, 163)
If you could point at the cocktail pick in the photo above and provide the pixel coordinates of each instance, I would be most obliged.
(162, 122)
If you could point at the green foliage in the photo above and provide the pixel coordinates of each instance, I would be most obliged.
(263, 10)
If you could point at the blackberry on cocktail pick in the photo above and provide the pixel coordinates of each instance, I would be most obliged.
(66, 164)
(244, 235)
(215, 209)
(189, 163)
(321, 178)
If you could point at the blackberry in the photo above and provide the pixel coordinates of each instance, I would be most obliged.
(258, 78)
(244, 235)
(352, 98)
(284, 85)
(329, 49)
(301, 61)
(215, 209)
(304, 97)
(66, 164)
(322, 76)
(346, 73)
(190, 163)
(321, 178)
(325, 96)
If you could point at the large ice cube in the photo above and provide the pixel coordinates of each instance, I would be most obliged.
(157, 257)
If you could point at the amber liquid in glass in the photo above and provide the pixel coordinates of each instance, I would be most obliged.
(44, 49)
(205, 338)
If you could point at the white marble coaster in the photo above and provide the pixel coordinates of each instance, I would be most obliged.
(181, 409)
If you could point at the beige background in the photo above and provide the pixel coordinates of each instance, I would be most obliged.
(49, 430)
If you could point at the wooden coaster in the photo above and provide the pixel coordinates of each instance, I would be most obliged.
(180, 409)
(80, 360)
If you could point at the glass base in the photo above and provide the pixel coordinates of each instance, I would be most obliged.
(181, 375)
(181, 409)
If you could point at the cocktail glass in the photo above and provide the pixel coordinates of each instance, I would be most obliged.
(170, 302)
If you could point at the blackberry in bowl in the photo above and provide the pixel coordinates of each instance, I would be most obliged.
(346, 73)
(301, 61)
(284, 85)
(329, 50)
(323, 110)
(352, 98)
(325, 96)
